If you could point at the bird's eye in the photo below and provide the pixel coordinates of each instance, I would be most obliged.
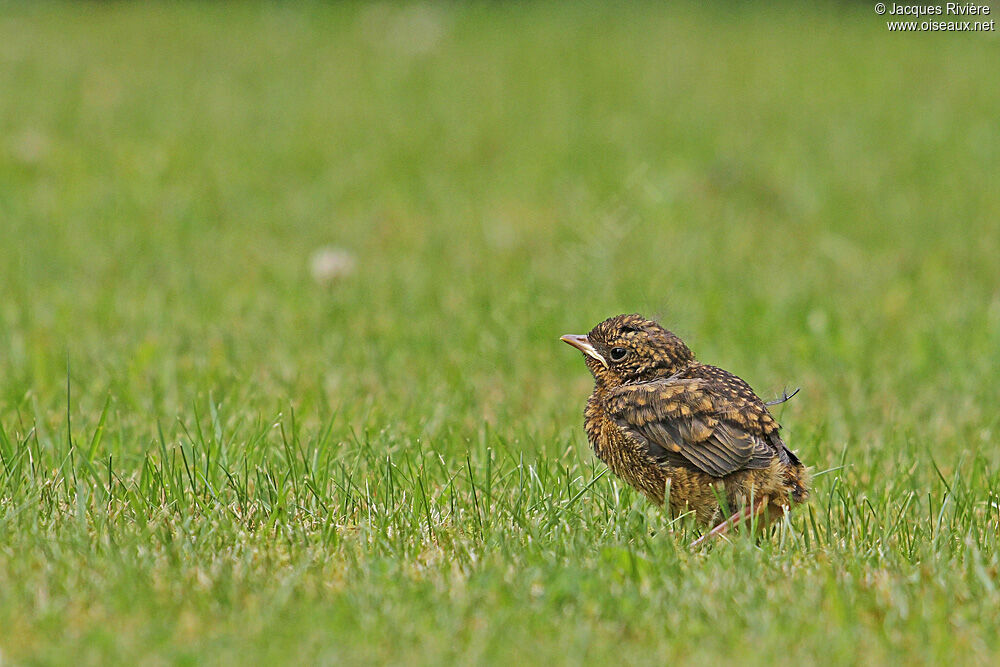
(618, 353)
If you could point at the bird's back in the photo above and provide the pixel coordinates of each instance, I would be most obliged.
(750, 413)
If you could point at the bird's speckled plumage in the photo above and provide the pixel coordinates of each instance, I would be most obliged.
(680, 431)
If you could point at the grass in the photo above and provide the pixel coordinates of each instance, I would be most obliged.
(208, 457)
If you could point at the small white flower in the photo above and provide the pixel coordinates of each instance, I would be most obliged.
(31, 146)
(329, 264)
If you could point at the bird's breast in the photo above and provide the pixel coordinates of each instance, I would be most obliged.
(626, 457)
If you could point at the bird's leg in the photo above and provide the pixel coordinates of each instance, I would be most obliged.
(745, 514)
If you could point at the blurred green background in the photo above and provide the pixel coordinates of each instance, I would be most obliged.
(806, 198)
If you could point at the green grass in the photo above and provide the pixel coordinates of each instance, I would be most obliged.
(207, 457)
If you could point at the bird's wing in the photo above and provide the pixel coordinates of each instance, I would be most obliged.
(695, 423)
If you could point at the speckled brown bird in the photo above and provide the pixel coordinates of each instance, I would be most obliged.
(694, 436)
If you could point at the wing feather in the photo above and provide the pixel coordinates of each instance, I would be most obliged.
(685, 421)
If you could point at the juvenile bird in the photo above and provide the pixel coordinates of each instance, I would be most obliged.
(694, 436)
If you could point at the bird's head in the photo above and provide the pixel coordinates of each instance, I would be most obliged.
(630, 348)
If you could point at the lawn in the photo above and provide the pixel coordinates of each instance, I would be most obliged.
(211, 454)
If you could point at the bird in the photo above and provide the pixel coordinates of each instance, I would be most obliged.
(690, 436)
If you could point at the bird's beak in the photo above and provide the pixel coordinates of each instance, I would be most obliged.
(582, 343)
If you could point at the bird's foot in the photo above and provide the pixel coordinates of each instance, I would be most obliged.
(746, 514)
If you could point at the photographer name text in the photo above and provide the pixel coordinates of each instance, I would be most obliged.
(949, 9)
